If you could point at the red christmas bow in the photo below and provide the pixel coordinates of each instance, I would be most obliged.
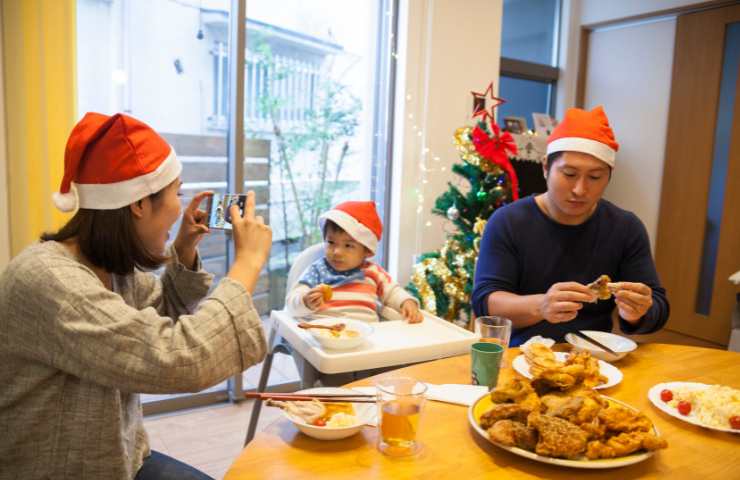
(494, 148)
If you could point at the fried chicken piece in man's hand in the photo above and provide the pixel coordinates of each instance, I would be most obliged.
(600, 287)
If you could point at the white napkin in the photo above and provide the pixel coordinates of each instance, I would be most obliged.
(458, 394)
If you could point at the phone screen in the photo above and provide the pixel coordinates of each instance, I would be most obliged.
(218, 209)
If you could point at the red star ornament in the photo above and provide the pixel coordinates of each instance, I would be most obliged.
(479, 102)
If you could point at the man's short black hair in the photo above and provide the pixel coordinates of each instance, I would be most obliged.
(554, 156)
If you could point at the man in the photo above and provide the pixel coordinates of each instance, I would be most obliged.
(538, 254)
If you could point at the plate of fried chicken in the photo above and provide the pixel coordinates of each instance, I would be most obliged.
(571, 425)
(540, 363)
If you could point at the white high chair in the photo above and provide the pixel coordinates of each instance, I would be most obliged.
(390, 345)
(274, 344)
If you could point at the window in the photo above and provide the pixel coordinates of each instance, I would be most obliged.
(529, 58)
(315, 107)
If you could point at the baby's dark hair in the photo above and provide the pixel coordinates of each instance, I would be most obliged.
(330, 226)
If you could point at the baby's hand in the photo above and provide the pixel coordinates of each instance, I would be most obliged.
(410, 312)
(316, 297)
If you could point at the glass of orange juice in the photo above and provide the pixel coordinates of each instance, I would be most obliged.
(400, 400)
(493, 329)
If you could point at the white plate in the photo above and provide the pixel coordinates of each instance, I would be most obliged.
(363, 411)
(484, 403)
(654, 396)
(613, 374)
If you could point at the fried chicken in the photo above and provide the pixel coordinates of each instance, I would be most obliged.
(503, 411)
(600, 287)
(618, 419)
(513, 391)
(513, 434)
(517, 390)
(590, 372)
(624, 444)
(571, 423)
(557, 437)
(565, 407)
(581, 408)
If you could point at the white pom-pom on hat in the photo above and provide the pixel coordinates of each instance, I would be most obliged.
(66, 202)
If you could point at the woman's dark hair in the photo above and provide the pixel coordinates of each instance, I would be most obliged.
(107, 239)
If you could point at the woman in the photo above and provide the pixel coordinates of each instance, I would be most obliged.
(85, 328)
(538, 254)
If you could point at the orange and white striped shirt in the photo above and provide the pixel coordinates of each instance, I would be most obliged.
(360, 299)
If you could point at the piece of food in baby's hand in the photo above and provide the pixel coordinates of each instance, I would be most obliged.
(326, 292)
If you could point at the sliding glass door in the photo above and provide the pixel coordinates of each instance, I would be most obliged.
(291, 100)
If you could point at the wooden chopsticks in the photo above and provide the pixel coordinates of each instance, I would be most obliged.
(594, 342)
(307, 397)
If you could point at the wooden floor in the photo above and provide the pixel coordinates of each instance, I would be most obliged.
(210, 438)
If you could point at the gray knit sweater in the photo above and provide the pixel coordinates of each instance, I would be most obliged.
(74, 357)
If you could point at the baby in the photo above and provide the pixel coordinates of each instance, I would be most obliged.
(344, 282)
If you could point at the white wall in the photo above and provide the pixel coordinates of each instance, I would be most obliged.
(4, 199)
(449, 48)
(629, 70)
(598, 11)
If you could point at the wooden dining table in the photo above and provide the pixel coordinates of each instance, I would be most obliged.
(452, 449)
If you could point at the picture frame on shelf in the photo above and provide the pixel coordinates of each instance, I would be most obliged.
(544, 124)
(515, 124)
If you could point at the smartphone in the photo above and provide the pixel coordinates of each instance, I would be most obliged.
(219, 206)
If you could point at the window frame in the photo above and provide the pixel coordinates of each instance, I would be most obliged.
(538, 72)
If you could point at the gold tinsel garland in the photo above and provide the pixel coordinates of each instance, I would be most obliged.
(454, 277)
(464, 144)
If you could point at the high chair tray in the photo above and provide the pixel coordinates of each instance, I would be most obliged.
(393, 342)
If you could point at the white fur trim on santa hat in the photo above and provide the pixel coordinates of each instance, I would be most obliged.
(352, 226)
(585, 145)
(109, 196)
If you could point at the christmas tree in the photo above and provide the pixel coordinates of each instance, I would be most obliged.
(443, 280)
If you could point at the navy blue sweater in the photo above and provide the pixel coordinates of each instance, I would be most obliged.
(525, 252)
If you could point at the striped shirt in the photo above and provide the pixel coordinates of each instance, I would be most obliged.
(361, 294)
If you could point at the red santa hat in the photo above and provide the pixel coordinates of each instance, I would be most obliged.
(586, 132)
(113, 161)
(359, 219)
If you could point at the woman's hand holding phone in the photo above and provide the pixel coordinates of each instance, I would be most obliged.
(192, 228)
(252, 243)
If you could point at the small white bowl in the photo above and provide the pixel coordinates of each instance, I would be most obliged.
(343, 342)
(363, 412)
(619, 344)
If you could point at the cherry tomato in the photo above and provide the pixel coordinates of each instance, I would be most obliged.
(666, 395)
(684, 408)
(319, 422)
(735, 422)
